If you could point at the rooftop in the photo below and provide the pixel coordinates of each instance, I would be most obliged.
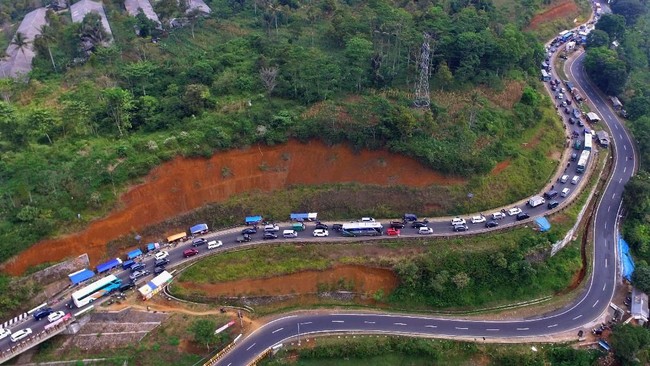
(80, 9)
(639, 305)
(133, 8)
(198, 4)
(19, 62)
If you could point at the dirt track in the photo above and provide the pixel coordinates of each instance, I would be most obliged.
(559, 10)
(186, 184)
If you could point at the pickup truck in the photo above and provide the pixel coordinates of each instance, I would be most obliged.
(243, 238)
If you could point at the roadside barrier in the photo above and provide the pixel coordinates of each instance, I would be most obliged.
(262, 356)
(221, 353)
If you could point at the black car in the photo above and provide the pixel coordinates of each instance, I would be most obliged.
(269, 236)
(158, 270)
(418, 224)
(42, 313)
(199, 241)
(567, 110)
(161, 262)
(461, 227)
(337, 227)
(249, 231)
(126, 286)
(320, 225)
(137, 267)
(553, 204)
(491, 224)
(580, 123)
(397, 224)
(522, 216)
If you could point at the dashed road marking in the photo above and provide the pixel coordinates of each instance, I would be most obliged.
(624, 146)
(578, 317)
(594, 305)
(523, 328)
(551, 326)
(251, 346)
(492, 329)
(277, 330)
(367, 322)
(399, 323)
(613, 195)
(431, 326)
(604, 286)
(460, 328)
(338, 321)
(605, 262)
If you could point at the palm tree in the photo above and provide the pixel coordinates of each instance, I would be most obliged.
(48, 36)
(20, 41)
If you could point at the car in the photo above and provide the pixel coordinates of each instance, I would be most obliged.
(574, 156)
(478, 219)
(568, 101)
(249, 231)
(21, 334)
(161, 255)
(575, 179)
(199, 241)
(576, 112)
(418, 224)
(190, 252)
(321, 233)
(397, 224)
(243, 238)
(138, 267)
(4, 333)
(126, 286)
(161, 262)
(137, 274)
(425, 231)
(55, 316)
(158, 270)
(393, 232)
(564, 56)
(565, 192)
(462, 227)
(498, 216)
(490, 224)
(214, 244)
(320, 225)
(522, 216)
(553, 204)
(563, 104)
(562, 90)
(367, 219)
(573, 120)
(42, 313)
(514, 211)
(271, 228)
(337, 227)
(564, 178)
(289, 234)
(457, 221)
(554, 88)
(567, 110)
(580, 123)
(270, 236)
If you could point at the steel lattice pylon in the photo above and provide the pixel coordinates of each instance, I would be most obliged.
(422, 99)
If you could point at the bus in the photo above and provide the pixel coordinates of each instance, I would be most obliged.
(362, 229)
(582, 162)
(588, 141)
(95, 290)
(566, 36)
(545, 76)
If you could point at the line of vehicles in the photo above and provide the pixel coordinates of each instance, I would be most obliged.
(42, 313)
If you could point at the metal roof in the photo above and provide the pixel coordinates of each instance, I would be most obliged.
(198, 4)
(81, 276)
(19, 62)
(133, 7)
(639, 305)
(79, 10)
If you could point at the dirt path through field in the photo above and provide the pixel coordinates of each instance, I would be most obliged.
(562, 9)
(184, 184)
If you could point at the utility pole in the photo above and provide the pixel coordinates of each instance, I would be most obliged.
(422, 98)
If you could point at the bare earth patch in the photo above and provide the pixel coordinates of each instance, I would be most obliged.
(563, 9)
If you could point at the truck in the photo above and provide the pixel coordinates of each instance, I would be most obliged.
(536, 201)
(243, 238)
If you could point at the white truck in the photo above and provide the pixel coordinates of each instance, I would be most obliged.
(536, 201)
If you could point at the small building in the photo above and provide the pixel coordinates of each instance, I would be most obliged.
(253, 220)
(107, 266)
(177, 237)
(133, 7)
(570, 46)
(603, 138)
(616, 103)
(199, 5)
(153, 247)
(639, 306)
(592, 117)
(199, 229)
(134, 254)
(84, 7)
(81, 276)
(18, 62)
(154, 286)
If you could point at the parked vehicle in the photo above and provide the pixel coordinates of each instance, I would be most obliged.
(397, 224)
(367, 219)
(522, 216)
(498, 216)
(270, 236)
(553, 204)
(458, 221)
(23, 333)
(125, 287)
(536, 201)
(55, 316)
(271, 228)
(418, 224)
(491, 224)
(158, 270)
(565, 192)
(564, 178)
(425, 231)
(514, 211)
(290, 234)
(249, 231)
(42, 313)
(190, 252)
(478, 219)
(137, 274)
(161, 262)
(298, 226)
(4, 333)
(461, 227)
(320, 225)
(214, 244)
(393, 232)
(199, 241)
(550, 194)
(410, 217)
(243, 238)
(575, 179)
(337, 227)
(138, 267)
(321, 233)
(162, 254)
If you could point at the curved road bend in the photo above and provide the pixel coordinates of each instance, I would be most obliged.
(587, 308)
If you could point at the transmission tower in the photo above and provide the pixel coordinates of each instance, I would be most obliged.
(422, 99)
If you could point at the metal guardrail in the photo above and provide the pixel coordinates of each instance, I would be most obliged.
(36, 338)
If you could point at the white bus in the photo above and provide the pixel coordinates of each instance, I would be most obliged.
(582, 162)
(588, 141)
(95, 290)
(366, 228)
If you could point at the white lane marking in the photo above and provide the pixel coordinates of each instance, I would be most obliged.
(229, 364)
(523, 328)
(305, 323)
(251, 346)
(605, 262)
(621, 136)
(367, 322)
(624, 169)
(578, 317)
(492, 329)
(620, 180)
(613, 195)
(604, 286)
(605, 229)
(277, 330)
(624, 146)
(338, 321)
(616, 126)
(596, 303)
(551, 326)
(399, 323)
(459, 328)
(609, 208)
(431, 326)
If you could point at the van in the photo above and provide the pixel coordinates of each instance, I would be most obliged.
(410, 217)
(565, 192)
(214, 244)
(553, 204)
(128, 264)
(290, 234)
(575, 179)
(564, 179)
(550, 194)
(297, 226)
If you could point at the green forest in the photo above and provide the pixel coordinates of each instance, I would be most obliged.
(92, 119)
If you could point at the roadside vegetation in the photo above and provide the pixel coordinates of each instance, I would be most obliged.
(372, 350)
(85, 126)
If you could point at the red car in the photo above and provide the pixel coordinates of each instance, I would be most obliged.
(190, 252)
(393, 232)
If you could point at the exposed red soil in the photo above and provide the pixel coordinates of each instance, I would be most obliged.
(500, 167)
(559, 10)
(185, 184)
(366, 280)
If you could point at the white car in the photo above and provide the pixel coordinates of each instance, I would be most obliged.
(214, 244)
(4, 333)
(425, 231)
(271, 228)
(514, 211)
(498, 216)
(55, 316)
(321, 232)
(367, 219)
(458, 221)
(162, 254)
(478, 219)
(21, 334)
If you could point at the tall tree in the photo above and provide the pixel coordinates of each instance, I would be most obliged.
(203, 331)
(628, 340)
(613, 24)
(21, 42)
(48, 36)
(120, 104)
(268, 76)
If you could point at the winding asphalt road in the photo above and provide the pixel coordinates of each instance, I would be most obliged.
(589, 306)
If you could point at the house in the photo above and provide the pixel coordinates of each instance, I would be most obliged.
(592, 117)
(199, 5)
(18, 62)
(639, 306)
(80, 9)
(603, 138)
(133, 8)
